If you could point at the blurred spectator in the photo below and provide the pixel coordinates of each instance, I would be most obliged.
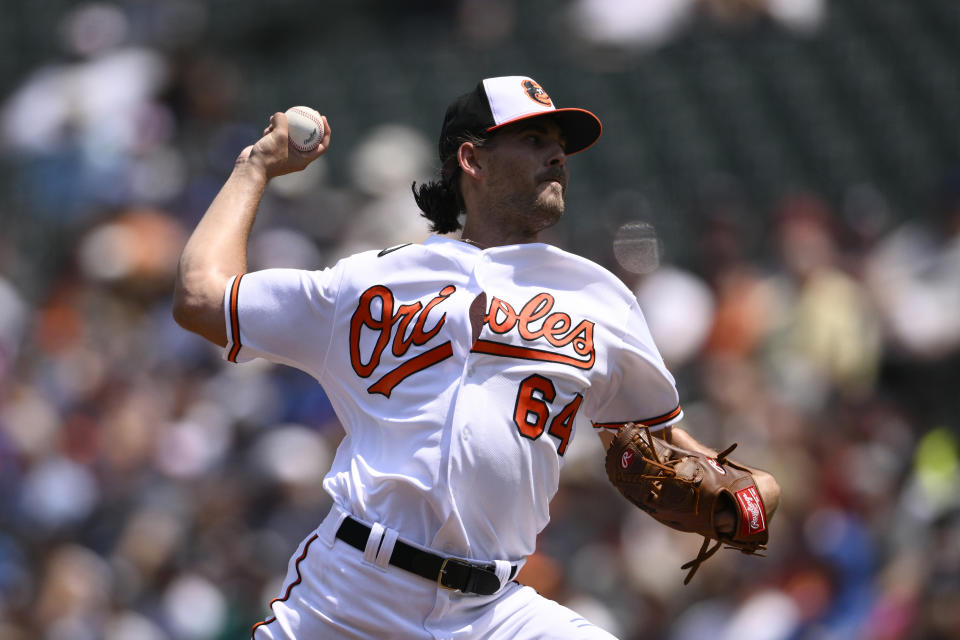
(914, 274)
(635, 25)
(827, 335)
(85, 127)
(644, 25)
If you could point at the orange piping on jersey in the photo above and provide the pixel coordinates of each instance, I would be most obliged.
(651, 422)
(286, 594)
(235, 319)
(423, 361)
(527, 353)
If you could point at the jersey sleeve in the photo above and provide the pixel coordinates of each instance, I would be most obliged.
(639, 387)
(282, 315)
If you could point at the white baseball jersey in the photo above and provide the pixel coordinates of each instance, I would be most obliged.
(456, 430)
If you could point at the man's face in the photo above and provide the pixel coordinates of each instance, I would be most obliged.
(525, 174)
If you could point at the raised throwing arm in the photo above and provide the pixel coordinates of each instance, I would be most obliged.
(217, 248)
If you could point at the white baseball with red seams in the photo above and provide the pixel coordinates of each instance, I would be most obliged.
(304, 128)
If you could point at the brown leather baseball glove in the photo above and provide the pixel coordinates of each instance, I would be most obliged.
(688, 491)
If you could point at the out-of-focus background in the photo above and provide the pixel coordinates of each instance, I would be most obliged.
(779, 181)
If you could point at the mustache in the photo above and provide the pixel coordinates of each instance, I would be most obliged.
(554, 174)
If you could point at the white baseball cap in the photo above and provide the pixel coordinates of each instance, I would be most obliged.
(497, 102)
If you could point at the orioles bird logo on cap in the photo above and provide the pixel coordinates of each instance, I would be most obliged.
(536, 92)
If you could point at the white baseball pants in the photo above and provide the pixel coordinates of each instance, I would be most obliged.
(334, 591)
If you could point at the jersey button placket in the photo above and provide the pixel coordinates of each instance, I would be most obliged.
(456, 443)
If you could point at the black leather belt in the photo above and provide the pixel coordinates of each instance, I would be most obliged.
(449, 573)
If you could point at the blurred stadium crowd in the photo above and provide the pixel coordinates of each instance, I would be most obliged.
(800, 272)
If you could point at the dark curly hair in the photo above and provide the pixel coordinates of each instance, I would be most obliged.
(441, 201)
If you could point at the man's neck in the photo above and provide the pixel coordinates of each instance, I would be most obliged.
(486, 238)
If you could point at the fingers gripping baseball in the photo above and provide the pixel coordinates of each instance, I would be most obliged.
(274, 152)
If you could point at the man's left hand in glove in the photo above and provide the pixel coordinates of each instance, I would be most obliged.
(691, 488)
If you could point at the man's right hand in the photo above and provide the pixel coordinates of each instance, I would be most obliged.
(217, 248)
(273, 154)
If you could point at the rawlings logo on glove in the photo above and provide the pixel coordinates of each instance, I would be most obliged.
(751, 506)
(687, 491)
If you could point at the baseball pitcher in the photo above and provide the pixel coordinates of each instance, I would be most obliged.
(457, 368)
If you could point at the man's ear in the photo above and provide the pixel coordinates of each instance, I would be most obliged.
(468, 157)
